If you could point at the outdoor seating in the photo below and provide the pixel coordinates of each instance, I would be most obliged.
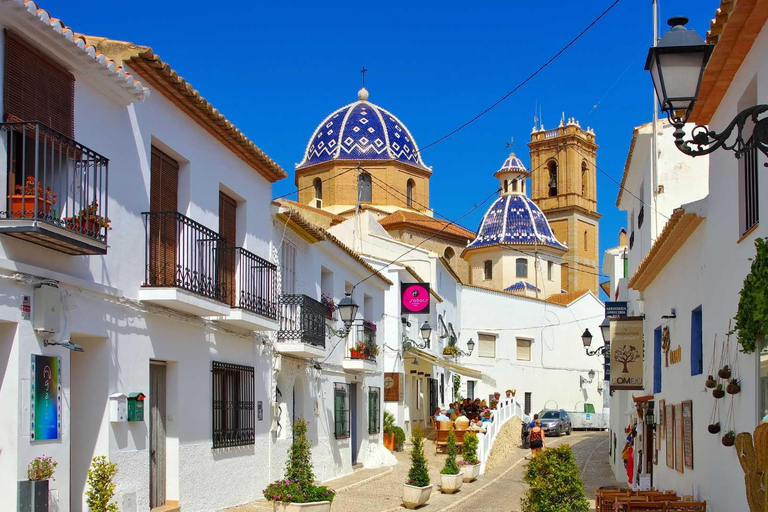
(624, 500)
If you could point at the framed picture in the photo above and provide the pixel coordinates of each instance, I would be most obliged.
(662, 415)
(679, 438)
(687, 407)
(669, 420)
(45, 406)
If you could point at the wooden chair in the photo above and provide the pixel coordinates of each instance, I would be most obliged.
(645, 506)
(444, 425)
(460, 438)
(600, 495)
(686, 506)
(620, 502)
(441, 439)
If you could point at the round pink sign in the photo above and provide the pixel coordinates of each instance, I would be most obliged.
(415, 298)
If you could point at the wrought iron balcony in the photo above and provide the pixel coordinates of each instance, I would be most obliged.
(361, 348)
(302, 320)
(57, 193)
(250, 282)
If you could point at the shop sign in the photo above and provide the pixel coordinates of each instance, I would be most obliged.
(627, 353)
(415, 298)
(45, 406)
(393, 387)
(616, 309)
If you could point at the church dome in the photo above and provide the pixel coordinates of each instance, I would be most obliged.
(512, 164)
(361, 131)
(514, 219)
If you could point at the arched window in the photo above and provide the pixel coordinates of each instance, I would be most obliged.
(521, 267)
(318, 183)
(514, 185)
(449, 254)
(409, 192)
(364, 188)
(584, 178)
(552, 166)
(586, 239)
(506, 185)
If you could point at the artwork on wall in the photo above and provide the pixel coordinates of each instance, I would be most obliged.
(45, 407)
(687, 408)
(662, 415)
(679, 438)
(670, 435)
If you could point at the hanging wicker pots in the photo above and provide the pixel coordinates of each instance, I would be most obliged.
(714, 428)
(725, 372)
(711, 383)
(733, 387)
(718, 392)
(729, 438)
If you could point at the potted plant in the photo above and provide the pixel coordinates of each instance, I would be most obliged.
(470, 464)
(330, 305)
(371, 350)
(39, 472)
(724, 372)
(389, 431)
(718, 392)
(714, 428)
(101, 487)
(451, 478)
(733, 387)
(399, 438)
(494, 403)
(25, 196)
(729, 438)
(88, 220)
(496, 395)
(487, 413)
(357, 351)
(297, 491)
(509, 393)
(450, 351)
(710, 382)
(417, 489)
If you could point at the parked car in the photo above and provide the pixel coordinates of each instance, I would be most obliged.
(555, 422)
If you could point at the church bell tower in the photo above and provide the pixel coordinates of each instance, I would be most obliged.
(564, 186)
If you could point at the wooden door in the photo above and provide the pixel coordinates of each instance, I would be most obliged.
(157, 432)
(163, 197)
(353, 422)
(228, 231)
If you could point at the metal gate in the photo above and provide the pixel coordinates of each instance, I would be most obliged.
(433, 395)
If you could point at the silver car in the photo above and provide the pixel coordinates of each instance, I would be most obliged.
(554, 422)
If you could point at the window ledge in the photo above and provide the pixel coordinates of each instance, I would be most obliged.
(748, 232)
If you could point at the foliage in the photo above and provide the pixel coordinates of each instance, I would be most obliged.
(451, 467)
(469, 450)
(91, 213)
(330, 305)
(752, 315)
(456, 387)
(418, 475)
(719, 386)
(450, 351)
(555, 484)
(399, 437)
(101, 487)
(42, 468)
(389, 422)
(292, 491)
(371, 349)
(29, 190)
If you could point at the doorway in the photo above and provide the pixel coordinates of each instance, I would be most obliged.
(157, 433)
(353, 422)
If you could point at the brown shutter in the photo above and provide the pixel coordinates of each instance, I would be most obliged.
(163, 197)
(36, 88)
(228, 231)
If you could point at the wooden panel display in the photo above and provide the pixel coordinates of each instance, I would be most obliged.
(393, 387)
(669, 419)
(679, 438)
(687, 408)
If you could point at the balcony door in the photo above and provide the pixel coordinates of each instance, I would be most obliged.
(228, 231)
(163, 197)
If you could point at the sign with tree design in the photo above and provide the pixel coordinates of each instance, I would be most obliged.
(627, 350)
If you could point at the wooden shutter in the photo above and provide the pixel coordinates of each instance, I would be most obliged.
(228, 231)
(36, 88)
(163, 197)
(486, 345)
(523, 350)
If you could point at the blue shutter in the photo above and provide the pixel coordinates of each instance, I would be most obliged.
(657, 360)
(697, 360)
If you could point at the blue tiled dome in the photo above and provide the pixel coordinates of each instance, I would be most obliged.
(512, 164)
(521, 286)
(361, 131)
(514, 219)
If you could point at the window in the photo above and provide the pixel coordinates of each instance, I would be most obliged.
(552, 166)
(523, 349)
(471, 389)
(514, 185)
(449, 254)
(657, 360)
(527, 406)
(750, 211)
(374, 408)
(697, 352)
(550, 270)
(641, 216)
(584, 178)
(409, 192)
(442, 388)
(341, 410)
(318, 183)
(288, 268)
(233, 405)
(521, 267)
(488, 270)
(506, 186)
(228, 231)
(486, 345)
(364, 188)
(586, 241)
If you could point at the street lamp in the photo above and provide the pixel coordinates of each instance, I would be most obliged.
(348, 312)
(426, 333)
(605, 330)
(586, 339)
(677, 65)
(583, 381)
(470, 346)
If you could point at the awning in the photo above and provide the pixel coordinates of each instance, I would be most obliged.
(461, 370)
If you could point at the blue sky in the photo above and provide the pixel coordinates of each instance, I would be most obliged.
(276, 69)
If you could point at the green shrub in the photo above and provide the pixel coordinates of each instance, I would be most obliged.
(451, 467)
(399, 437)
(101, 489)
(752, 315)
(418, 475)
(555, 484)
(389, 422)
(469, 450)
(42, 468)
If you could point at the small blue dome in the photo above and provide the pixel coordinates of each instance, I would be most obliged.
(512, 164)
(361, 131)
(515, 219)
(521, 286)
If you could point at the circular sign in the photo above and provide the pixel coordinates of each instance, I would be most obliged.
(389, 382)
(415, 298)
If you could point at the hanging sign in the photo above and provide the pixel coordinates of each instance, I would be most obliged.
(627, 353)
(414, 298)
(393, 388)
(616, 309)
(45, 407)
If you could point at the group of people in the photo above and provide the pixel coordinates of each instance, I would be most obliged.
(466, 414)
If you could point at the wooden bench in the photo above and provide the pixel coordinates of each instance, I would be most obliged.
(441, 438)
(686, 506)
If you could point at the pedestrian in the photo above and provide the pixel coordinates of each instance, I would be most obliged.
(536, 438)
(533, 423)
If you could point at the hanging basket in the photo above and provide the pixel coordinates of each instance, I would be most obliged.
(714, 428)
(733, 388)
(718, 393)
(725, 372)
(711, 383)
(728, 439)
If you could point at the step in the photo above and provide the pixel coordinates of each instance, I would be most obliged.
(170, 506)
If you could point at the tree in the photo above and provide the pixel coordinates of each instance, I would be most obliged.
(418, 475)
(451, 466)
(625, 355)
(298, 467)
(554, 481)
(101, 488)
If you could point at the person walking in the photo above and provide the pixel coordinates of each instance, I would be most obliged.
(536, 438)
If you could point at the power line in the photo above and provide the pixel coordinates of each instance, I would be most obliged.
(345, 171)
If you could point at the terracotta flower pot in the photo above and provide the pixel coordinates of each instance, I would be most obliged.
(714, 428)
(43, 206)
(733, 389)
(471, 472)
(718, 393)
(449, 484)
(711, 383)
(357, 354)
(389, 442)
(415, 496)
(724, 373)
(82, 225)
(728, 440)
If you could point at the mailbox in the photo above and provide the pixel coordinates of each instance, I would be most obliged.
(118, 407)
(136, 406)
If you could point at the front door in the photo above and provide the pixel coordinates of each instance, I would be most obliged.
(156, 434)
(353, 421)
(433, 397)
(228, 231)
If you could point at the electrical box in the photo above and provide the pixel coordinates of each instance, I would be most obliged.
(48, 309)
(136, 406)
(118, 407)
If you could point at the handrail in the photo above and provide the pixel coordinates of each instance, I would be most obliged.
(301, 318)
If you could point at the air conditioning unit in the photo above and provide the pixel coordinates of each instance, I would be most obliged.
(48, 309)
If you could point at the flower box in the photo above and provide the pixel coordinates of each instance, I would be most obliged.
(389, 442)
(82, 225)
(449, 484)
(28, 204)
(314, 506)
(415, 496)
(357, 354)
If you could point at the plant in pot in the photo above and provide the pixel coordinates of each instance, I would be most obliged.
(729, 438)
(450, 351)
(470, 464)
(494, 403)
(24, 198)
(39, 472)
(724, 372)
(399, 438)
(496, 395)
(297, 491)
(389, 431)
(330, 305)
(510, 393)
(371, 350)
(714, 428)
(357, 351)
(88, 221)
(417, 489)
(101, 486)
(711, 383)
(451, 478)
(718, 392)
(733, 387)
(487, 413)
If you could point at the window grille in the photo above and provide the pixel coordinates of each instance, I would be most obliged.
(341, 410)
(527, 406)
(233, 405)
(751, 204)
(374, 410)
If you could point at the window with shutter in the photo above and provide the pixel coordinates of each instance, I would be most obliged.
(523, 349)
(288, 268)
(36, 88)
(228, 231)
(373, 410)
(341, 410)
(163, 197)
(486, 345)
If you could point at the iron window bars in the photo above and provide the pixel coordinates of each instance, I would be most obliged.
(374, 410)
(256, 286)
(302, 319)
(365, 334)
(341, 413)
(233, 421)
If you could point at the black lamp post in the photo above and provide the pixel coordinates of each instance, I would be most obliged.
(586, 339)
(426, 333)
(605, 330)
(677, 65)
(470, 346)
(348, 312)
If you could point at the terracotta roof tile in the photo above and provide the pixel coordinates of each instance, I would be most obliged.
(418, 221)
(564, 299)
(318, 211)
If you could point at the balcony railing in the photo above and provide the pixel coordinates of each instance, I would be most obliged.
(182, 253)
(302, 319)
(55, 181)
(362, 342)
(254, 287)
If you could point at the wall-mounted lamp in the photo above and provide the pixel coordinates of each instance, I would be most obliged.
(583, 381)
(69, 345)
(586, 339)
(672, 314)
